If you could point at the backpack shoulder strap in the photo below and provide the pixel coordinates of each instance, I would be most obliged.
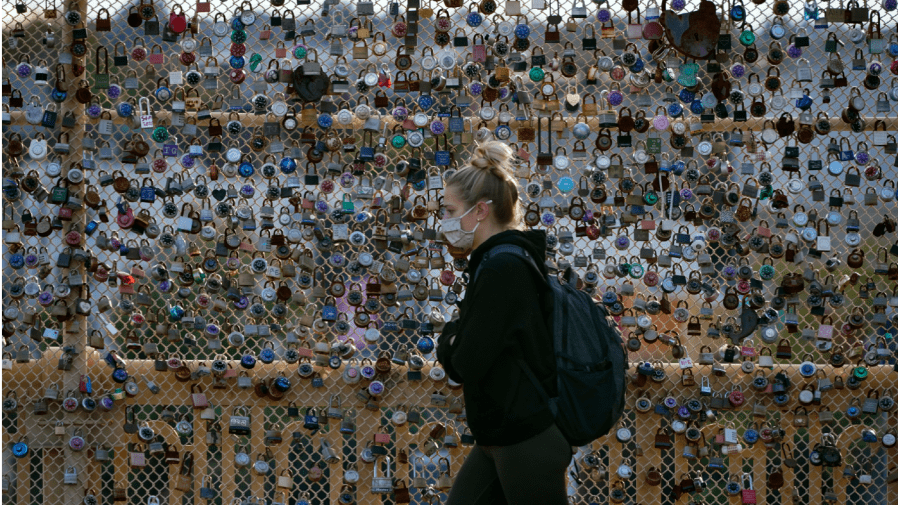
(522, 253)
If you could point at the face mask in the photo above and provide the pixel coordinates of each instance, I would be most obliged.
(459, 238)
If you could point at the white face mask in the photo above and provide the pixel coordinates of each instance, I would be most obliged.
(459, 238)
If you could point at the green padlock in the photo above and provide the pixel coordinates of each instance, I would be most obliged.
(650, 197)
(398, 141)
(59, 193)
(160, 134)
(348, 206)
(537, 74)
(859, 372)
(747, 38)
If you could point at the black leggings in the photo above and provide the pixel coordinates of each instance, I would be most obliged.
(532, 471)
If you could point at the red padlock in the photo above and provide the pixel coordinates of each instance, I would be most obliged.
(84, 384)
(735, 397)
(651, 278)
(592, 231)
(177, 21)
(65, 214)
(237, 75)
(126, 219)
(894, 67)
(447, 278)
(138, 53)
(748, 494)
(238, 49)
(187, 58)
(743, 286)
(137, 319)
(73, 238)
(159, 165)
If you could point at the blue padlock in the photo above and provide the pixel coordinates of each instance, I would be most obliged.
(16, 260)
(248, 361)
(119, 375)
(237, 61)
(425, 101)
(125, 109)
(425, 345)
(20, 448)
(175, 313)
(281, 383)
(267, 355)
(58, 96)
(287, 165)
(246, 169)
(696, 107)
(325, 120)
(162, 93)
(675, 110)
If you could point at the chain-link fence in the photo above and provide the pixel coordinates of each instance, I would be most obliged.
(271, 231)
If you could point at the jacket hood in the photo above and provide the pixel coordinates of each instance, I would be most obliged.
(533, 241)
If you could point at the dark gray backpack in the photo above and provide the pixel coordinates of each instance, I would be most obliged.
(589, 356)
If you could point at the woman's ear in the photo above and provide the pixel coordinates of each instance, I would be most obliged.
(483, 210)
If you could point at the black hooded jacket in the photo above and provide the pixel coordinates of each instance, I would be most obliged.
(501, 318)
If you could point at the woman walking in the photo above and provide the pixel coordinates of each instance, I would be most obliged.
(519, 456)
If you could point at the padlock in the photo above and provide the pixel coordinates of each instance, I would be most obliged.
(239, 423)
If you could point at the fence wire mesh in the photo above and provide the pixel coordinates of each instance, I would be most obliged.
(645, 251)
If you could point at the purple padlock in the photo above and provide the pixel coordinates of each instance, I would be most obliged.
(107, 403)
(729, 272)
(247, 190)
(187, 161)
(368, 372)
(622, 242)
(31, 260)
(169, 149)
(337, 259)
(76, 442)
(322, 206)
(94, 110)
(683, 412)
(670, 402)
(165, 286)
(437, 127)
(45, 298)
(347, 180)
(548, 219)
(376, 388)
(241, 303)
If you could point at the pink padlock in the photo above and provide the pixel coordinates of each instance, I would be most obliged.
(125, 220)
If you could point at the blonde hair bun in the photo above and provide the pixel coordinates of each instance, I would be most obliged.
(493, 155)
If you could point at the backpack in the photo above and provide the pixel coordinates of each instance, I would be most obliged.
(589, 356)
